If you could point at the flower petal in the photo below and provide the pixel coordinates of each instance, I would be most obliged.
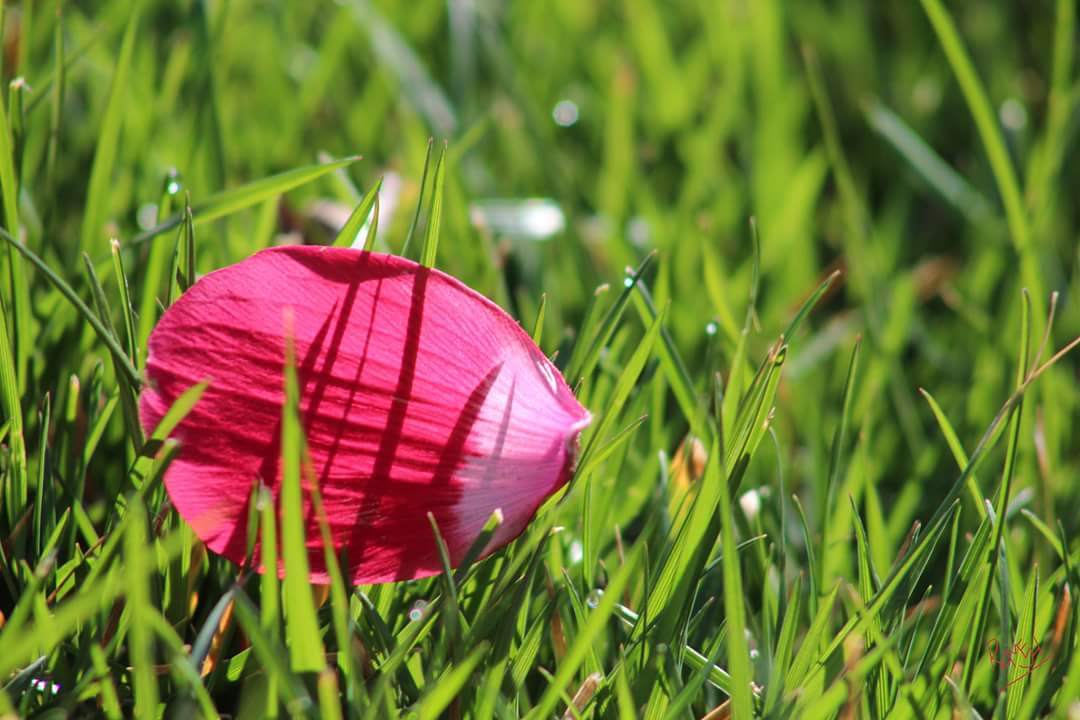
(417, 395)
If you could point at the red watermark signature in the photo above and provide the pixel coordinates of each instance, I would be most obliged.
(1025, 658)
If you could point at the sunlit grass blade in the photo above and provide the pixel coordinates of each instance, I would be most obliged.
(889, 587)
(584, 334)
(140, 647)
(301, 625)
(478, 546)
(1048, 535)
(339, 596)
(1024, 639)
(738, 651)
(957, 451)
(809, 304)
(610, 446)
(270, 588)
(832, 475)
(451, 615)
(187, 248)
(349, 235)
(177, 282)
(98, 196)
(623, 386)
(232, 201)
(108, 698)
(583, 367)
(810, 649)
(13, 340)
(18, 304)
(419, 200)
(373, 229)
(43, 496)
(16, 490)
(538, 324)
(434, 223)
(784, 647)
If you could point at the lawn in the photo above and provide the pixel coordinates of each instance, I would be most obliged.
(811, 267)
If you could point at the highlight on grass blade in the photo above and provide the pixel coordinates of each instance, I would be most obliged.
(415, 394)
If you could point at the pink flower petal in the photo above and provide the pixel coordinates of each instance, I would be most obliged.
(417, 395)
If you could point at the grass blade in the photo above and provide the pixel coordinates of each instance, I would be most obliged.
(957, 450)
(301, 625)
(98, 190)
(245, 196)
(738, 651)
(431, 235)
(994, 144)
(122, 363)
(350, 232)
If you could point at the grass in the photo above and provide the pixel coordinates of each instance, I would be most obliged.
(833, 467)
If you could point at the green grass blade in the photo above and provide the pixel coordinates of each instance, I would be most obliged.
(123, 364)
(431, 235)
(784, 647)
(129, 391)
(538, 326)
(810, 649)
(270, 588)
(350, 231)
(957, 451)
(419, 199)
(98, 195)
(180, 668)
(126, 309)
(674, 367)
(738, 651)
(832, 475)
(301, 625)
(993, 142)
(232, 201)
(273, 658)
(16, 490)
(587, 635)
(373, 230)
(623, 386)
(1024, 639)
(139, 604)
(339, 596)
(157, 264)
(606, 328)
(450, 685)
